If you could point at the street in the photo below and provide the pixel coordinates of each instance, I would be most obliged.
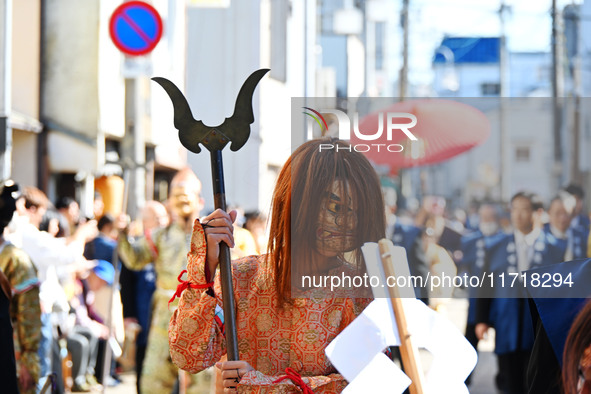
(486, 369)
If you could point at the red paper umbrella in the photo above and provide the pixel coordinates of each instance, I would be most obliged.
(443, 129)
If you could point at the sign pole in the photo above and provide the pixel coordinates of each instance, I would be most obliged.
(133, 145)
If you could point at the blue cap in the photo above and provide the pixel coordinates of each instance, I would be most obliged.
(105, 271)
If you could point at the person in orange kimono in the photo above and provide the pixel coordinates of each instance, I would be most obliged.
(326, 204)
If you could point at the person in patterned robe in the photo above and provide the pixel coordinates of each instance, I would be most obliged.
(7, 361)
(25, 310)
(326, 204)
(167, 248)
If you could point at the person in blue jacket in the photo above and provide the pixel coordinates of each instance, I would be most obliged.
(473, 247)
(572, 239)
(410, 238)
(580, 219)
(504, 305)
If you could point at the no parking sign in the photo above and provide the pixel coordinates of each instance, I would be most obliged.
(135, 28)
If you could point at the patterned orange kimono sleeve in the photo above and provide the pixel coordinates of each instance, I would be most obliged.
(196, 341)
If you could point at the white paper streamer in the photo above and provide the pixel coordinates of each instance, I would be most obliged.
(379, 373)
(357, 352)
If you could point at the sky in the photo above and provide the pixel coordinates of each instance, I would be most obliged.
(527, 23)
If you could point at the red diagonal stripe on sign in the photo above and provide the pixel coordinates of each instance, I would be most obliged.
(136, 28)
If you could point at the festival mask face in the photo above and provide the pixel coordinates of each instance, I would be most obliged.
(184, 200)
(336, 223)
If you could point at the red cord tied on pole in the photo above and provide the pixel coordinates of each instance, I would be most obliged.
(296, 378)
(185, 284)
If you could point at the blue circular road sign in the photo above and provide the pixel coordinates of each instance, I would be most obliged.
(135, 28)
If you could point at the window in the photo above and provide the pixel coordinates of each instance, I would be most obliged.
(522, 154)
(490, 89)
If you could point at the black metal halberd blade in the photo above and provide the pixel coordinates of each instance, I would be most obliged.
(235, 129)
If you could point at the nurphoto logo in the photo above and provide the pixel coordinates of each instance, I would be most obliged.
(390, 123)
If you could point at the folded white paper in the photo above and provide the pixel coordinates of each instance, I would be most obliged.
(357, 352)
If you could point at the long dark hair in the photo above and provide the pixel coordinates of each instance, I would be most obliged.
(297, 200)
(8, 190)
(579, 339)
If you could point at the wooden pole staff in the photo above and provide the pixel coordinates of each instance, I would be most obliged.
(408, 351)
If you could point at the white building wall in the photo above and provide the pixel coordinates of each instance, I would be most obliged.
(168, 60)
(470, 77)
(71, 64)
(475, 174)
(111, 91)
(530, 125)
(70, 102)
(585, 37)
(224, 47)
(25, 57)
(472, 175)
(24, 152)
(530, 73)
(25, 90)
